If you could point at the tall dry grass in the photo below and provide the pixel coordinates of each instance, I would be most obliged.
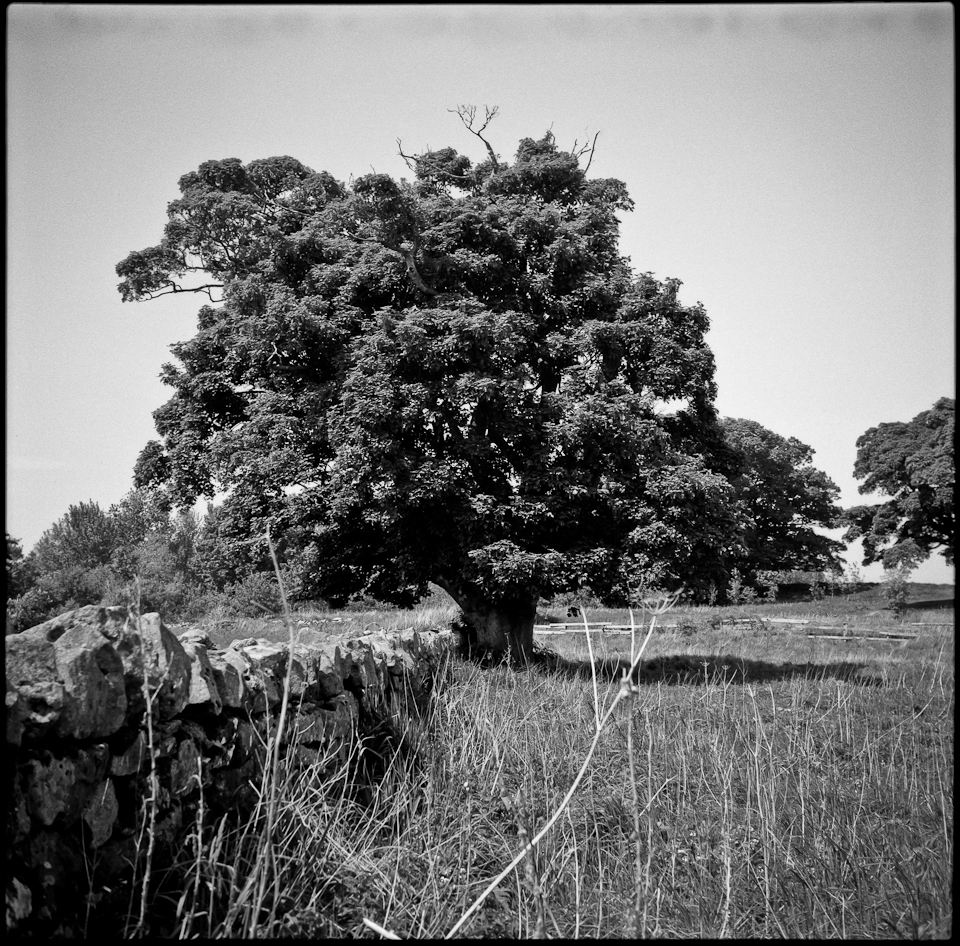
(732, 798)
(743, 782)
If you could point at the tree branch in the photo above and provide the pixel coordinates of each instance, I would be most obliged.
(408, 158)
(408, 251)
(175, 288)
(593, 148)
(468, 115)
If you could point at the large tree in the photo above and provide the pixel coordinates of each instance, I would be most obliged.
(457, 379)
(912, 463)
(785, 498)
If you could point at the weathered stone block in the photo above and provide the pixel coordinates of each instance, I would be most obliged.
(245, 740)
(136, 641)
(195, 635)
(14, 712)
(19, 903)
(19, 822)
(358, 670)
(203, 682)
(92, 673)
(267, 657)
(48, 785)
(168, 667)
(230, 678)
(184, 769)
(56, 863)
(307, 756)
(268, 669)
(109, 621)
(59, 786)
(328, 669)
(168, 825)
(323, 661)
(100, 812)
(260, 691)
(92, 762)
(335, 720)
(31, 670)
(131, 759)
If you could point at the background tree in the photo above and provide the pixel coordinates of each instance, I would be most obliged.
(68, 567)
(453, 379)
(72, 557)
(19, 574)
(913, 463)
(135, 551)
(784, 497)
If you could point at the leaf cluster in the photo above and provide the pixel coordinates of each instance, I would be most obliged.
(784, 499)
(913, 464)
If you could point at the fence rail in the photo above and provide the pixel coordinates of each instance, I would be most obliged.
(847, 633)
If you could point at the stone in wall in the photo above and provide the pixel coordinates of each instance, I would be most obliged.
(83, 748)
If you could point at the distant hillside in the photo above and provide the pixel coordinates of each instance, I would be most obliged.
(920, 595)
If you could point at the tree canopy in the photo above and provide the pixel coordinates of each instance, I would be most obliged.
(784, 497)
(913, 463)
(455, 379)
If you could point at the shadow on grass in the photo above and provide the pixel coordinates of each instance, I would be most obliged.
(697, 669)
(933, 604)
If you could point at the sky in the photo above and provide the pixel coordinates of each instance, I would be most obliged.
(793, 165)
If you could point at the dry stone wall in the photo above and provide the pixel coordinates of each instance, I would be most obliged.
(79, 758)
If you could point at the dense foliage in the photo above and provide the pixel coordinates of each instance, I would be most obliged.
(913, 463)
(18, 578)
(784, 497)
(456, 379)
(133, 553)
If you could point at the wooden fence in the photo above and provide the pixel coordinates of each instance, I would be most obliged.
(845, 632)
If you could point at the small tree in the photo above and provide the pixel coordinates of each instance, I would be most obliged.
(769, 581)
(84, 537)
(735, 587)
(898, 563)
(852, 579)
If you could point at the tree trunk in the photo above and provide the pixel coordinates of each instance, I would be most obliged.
(503, 629)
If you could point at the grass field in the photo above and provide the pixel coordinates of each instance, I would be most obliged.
(754, 782)
(864, 609)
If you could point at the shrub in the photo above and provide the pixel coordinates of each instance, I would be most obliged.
(253, 596)
(768, 581)
(33, 607)
(735, 587)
